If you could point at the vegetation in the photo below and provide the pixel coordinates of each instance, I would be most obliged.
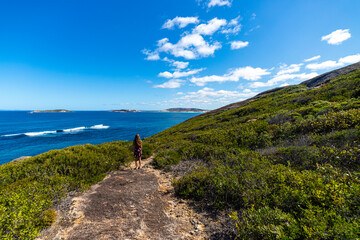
(286, 164)
(30, 188)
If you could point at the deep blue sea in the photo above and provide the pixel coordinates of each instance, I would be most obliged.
(26, 134)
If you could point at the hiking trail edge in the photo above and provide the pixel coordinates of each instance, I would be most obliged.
(127, 204)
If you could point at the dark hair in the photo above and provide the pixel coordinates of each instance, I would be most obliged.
(137, 141)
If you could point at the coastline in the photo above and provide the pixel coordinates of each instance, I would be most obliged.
(40, 133)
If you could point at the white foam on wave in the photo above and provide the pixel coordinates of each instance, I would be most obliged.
(77, 129)
(35, 134)
(12, 135)
(100, 126)
(70, 130)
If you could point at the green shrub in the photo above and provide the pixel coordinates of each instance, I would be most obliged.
(300, 158)
(306, 186)
(266, 223)
(29, 188)
(165, 159)
(47, 218)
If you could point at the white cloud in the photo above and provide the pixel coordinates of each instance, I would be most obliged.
(181, 22)
(234, 21)
(151, 56)
(282, 78)
(173, 83)
(180, 65)
(337, 37)
(211, 27)
(213, 3)
(238, 44)
(178, 74)
(324, 65)
(165, 74)
(248, 73)
(284, 69)
(190, 46)
(332, 64)
(176, 64)
(284, 85)
(350, 59)
(312, 59)
(209, 95)
(247, 91)
(233, 27)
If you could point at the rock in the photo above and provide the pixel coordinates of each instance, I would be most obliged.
(251, 120)
(20, 158)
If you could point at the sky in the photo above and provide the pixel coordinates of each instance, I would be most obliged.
(153, 55)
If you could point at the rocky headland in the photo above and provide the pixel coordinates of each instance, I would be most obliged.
(125, 110)
(51, 111)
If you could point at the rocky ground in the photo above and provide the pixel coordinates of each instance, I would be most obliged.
(130, 204)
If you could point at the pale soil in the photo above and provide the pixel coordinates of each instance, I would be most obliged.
(128, 204)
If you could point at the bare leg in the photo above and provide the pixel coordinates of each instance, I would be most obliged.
(136, 163)
(140, 162)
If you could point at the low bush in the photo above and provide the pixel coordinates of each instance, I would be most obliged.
(29, 188)
(165, 159)
(266, 223)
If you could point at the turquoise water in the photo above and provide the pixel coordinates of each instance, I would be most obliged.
(26, 134)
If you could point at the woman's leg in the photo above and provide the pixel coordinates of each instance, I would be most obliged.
(136, 163)
(140, 162)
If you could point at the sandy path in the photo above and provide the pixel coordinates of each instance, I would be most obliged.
(128, 204)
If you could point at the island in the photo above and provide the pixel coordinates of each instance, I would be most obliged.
(125, 110)
(51, 111)
(184, 110)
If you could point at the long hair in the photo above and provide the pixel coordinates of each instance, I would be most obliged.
(137, 141)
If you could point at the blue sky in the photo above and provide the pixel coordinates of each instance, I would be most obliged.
(149, 55)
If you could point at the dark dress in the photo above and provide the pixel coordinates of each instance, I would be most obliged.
(137, 152)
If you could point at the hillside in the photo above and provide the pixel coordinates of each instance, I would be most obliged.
(284, 164)
(311, 83)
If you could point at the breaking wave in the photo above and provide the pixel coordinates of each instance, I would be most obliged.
(61, 131)
(100, 126)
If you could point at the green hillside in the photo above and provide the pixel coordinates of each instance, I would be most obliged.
(287, 164)
(30, 188)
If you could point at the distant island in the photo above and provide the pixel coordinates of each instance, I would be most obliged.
(51, 111)
(184, 110)
(166, 110)
(125, 110)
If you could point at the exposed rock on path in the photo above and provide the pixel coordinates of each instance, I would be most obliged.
(128, 204)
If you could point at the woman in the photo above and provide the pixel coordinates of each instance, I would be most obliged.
(137, 151)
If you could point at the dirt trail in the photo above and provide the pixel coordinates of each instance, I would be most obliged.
(127, 204)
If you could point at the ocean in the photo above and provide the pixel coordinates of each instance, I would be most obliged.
(28, 134)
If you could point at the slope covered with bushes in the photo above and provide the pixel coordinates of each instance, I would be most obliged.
(287, 164)
(30, 188)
